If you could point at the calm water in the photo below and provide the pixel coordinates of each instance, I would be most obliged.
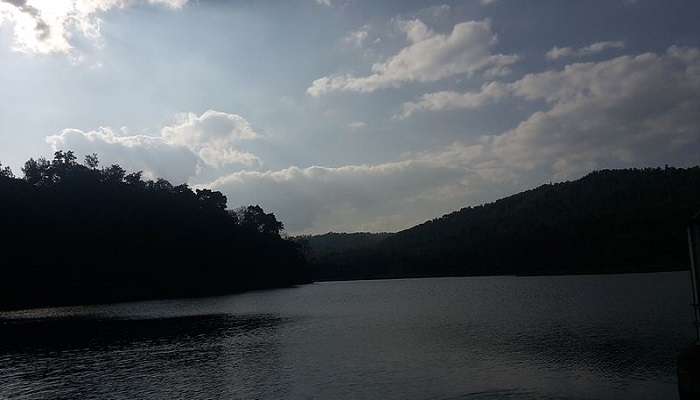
(578, 337)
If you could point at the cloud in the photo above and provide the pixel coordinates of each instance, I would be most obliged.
(326, 3)
(562, 52)
(357, 37)
(629, 111)
(151, 154)
(429, 57)
(177, 153)
(374, 197)
(355, 125)
(626, 111)
(450, 100)
(214, 136)
(47, 26)
(351, 197)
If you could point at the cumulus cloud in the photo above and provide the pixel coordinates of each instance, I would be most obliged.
(214, 136)
(626, 111)
(563, 52)
(151, 154)
(378, 197)
(629, 111)
(429, 57)
(351, 197)
(192, 142)
(450, 100)
(47, 26)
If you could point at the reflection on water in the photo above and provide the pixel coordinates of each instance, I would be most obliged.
(588, 337)
(175, 357)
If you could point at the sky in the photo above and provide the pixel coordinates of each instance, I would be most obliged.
(351, 115)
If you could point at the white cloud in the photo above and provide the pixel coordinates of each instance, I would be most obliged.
(626, 111)
(47, 26)
(193, 142)
(623, 112)
(151, 154)
(327, 3)
(357, 37)
(357, 125)
(629, 111)
(450, 100)
(380, 197)
(429, 57)
(351, 197)
(213, 136)
(562, 52)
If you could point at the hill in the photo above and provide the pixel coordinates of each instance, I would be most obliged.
(77, 234)
(609, 221)
(339, 247)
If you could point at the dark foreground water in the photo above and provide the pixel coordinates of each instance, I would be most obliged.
(576, 337)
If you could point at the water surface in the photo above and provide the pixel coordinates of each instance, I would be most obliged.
(568, 337)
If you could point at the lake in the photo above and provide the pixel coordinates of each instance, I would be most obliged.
(563, 337)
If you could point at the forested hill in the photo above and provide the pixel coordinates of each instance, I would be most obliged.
(609, 221)
(327, 244)
(77, 234)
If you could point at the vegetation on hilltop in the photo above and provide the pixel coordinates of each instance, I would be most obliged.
(609, 221)
(75, 233)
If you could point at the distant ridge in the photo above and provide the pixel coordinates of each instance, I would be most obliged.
(609, 221)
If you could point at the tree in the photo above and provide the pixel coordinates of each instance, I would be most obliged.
(162, 185)
(77, 234)
(36, 171)
(92, 161)
(113, 174)
(255, 218)
(67, 158)
(134, 179)
(211, 199)
(6, 172)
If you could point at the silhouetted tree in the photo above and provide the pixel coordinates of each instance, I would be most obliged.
(134, 179)
(36, 171)
(92, 161)
(6, 172)
(255, 218)
(74, 234)
(113, 174)
(211, 199)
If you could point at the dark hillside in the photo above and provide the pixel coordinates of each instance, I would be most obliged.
(75, 234)
(609, 221)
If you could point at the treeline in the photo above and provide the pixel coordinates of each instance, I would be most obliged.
(76, 233)
(609, 221)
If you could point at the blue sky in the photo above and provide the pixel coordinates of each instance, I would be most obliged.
(352, 115)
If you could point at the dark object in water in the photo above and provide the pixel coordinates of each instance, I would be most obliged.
(689, 360)
(689, 373)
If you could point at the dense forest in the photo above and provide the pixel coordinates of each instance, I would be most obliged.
(608, 221)
(334, 243)
(76, 233)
